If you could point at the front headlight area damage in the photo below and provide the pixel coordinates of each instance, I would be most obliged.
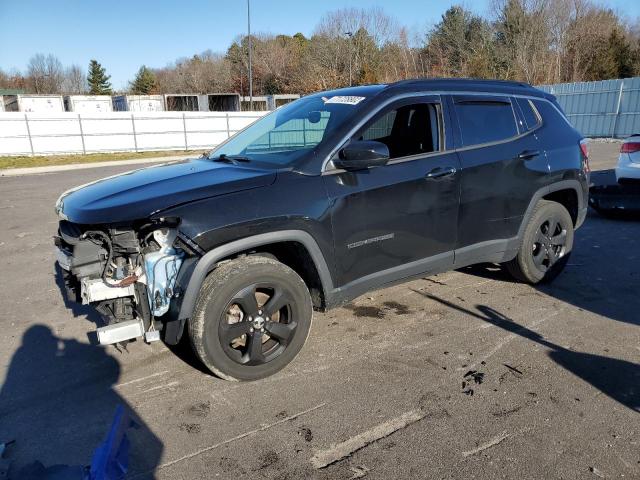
(127, 272)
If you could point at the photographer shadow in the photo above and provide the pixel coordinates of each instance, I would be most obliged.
(58, 400)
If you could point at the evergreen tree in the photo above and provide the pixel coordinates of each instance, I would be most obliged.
(98, 79)
(144, 83)
(461, 44)
(613, 59)
(622, 54)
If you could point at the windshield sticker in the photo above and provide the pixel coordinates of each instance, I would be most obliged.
(343, 99)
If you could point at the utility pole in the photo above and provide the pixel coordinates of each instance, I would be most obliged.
(349, 34)
(250, 73)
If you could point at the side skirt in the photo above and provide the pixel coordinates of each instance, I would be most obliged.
(442, 262)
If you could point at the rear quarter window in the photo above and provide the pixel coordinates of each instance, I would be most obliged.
(551, 113)
(484, 121)
(529, 113)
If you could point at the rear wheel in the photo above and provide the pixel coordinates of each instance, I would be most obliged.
(546, 244)
(252, 317)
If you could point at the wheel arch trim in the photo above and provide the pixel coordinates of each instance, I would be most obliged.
(513, 244)
(208, 262)
(570, 184)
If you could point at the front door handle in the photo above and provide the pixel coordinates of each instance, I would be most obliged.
(528, 154)
(439, 172)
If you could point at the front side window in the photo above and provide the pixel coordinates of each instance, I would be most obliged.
(483, 121)
(287, 134)
(406, 130)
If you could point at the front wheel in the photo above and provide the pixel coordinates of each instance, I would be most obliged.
(546, 244)
(252, 317)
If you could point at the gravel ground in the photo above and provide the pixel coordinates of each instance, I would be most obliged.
(462, 375)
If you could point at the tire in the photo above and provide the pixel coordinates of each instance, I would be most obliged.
(543, 254)
(252, 317)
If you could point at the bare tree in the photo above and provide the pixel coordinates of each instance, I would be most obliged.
(45, 73)
(203, 73)
(75, 80)
(538, 41)
(587, 41)
(348, 43)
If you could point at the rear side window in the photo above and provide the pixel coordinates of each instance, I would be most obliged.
(529, 113)
(484, 121)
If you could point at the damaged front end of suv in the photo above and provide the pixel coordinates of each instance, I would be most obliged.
(122, 248)
(127, 272)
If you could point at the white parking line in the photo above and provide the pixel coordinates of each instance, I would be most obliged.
(339, 451)
(160, 387)
(491, 443)
(230, 440)
(141, 379)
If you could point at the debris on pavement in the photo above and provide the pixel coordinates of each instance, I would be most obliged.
(513, 369)
(190, 427)
(359, 471)
(477, 377)
(305, 432)
(270, 457)
(471, 376)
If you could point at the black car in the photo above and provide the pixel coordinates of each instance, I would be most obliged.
(326, 198)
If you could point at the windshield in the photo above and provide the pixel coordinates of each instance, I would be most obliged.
(285, 135)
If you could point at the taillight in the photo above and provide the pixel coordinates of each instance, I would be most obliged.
(585, 156)
(630, 147)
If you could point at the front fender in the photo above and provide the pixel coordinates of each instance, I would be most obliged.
(194, 272)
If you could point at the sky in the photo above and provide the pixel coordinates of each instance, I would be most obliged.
(124, 34)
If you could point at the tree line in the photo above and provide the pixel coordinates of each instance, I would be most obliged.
(536, 41)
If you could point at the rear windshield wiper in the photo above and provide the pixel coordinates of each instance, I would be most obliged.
(233, 159)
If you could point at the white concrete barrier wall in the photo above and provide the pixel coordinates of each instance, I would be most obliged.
(62, 133)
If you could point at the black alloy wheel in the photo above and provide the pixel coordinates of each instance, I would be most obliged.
(550, 243)
(258, 324)
(252, 317)
(545, 245)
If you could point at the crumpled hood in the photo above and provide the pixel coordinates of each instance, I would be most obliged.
(138, 194)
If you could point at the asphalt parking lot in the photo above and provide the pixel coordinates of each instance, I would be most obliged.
(462, 375)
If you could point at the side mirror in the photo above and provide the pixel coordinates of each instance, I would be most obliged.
(362, 154)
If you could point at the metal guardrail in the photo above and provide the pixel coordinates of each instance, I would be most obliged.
(134, 132)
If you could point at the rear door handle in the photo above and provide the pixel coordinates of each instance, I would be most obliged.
(441, 172)
(528, 154)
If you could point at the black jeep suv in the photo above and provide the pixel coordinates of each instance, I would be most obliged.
(324, 199)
